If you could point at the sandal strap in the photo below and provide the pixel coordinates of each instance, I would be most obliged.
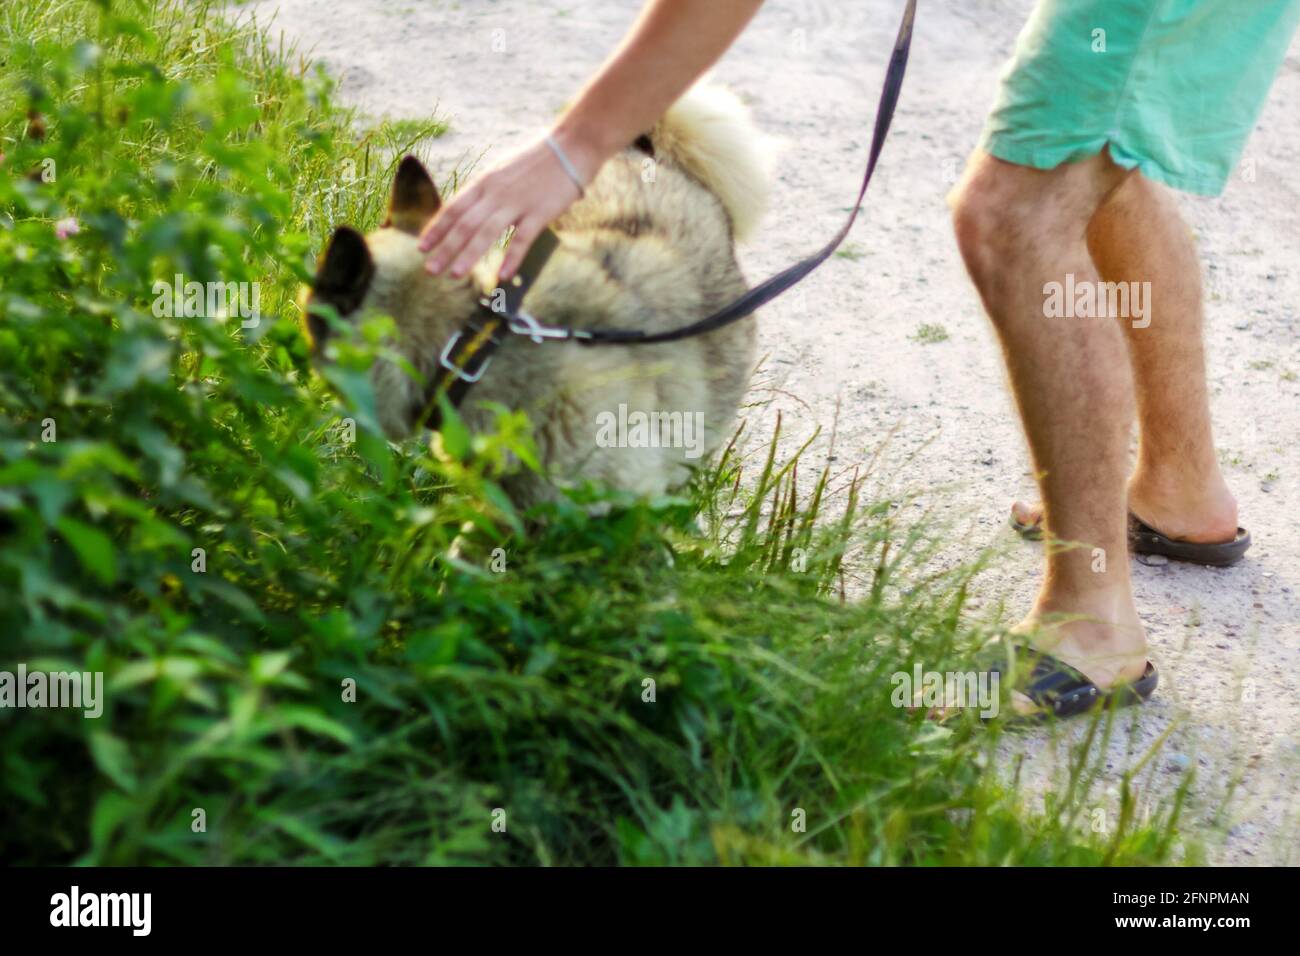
(1048, 678)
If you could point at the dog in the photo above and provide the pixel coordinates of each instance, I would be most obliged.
(650, 246)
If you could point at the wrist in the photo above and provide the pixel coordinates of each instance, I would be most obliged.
(582, 146)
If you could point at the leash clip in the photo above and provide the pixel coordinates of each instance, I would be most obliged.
(445, 361)
(521, 323)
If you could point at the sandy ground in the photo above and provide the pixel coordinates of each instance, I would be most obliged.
(938, 411)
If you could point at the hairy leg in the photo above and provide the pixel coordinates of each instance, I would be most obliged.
(1020, 229)
(1138, 236)
(1177, 486)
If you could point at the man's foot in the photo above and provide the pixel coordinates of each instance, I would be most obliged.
(1207, 519)
(1027, 519)
(1204, 517)
(1059, 690)
(1103, 640)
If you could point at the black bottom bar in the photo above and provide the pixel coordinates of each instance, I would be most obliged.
(337, 906)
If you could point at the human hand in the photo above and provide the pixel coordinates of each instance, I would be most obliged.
(670, 46)
(528, 191)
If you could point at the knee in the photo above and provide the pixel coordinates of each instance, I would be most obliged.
(988, 220)
(1013, 217)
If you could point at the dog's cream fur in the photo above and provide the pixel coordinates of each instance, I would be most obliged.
(651, 246)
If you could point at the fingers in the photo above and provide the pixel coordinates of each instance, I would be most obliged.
(437, 228)
(528, 191)
(464, 225)
(447, 232)
(448, 216)
(477, 243)
(525, 233)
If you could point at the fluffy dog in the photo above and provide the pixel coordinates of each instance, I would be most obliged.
(651, 246)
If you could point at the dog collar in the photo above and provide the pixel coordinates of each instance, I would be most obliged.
(467, 354)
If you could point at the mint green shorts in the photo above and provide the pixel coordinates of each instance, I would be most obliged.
(1172, 87)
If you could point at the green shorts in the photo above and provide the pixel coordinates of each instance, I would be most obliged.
(1172, 87)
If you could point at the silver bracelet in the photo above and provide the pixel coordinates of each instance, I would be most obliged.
(569, 169)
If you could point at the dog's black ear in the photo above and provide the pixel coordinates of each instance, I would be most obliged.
(345, 270)
(342, 278)
(415, 198)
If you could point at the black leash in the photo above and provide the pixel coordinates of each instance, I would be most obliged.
(467, 354)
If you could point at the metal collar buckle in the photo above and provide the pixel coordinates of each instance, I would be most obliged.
(445, 361)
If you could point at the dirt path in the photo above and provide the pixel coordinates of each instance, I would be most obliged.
(1226, 640)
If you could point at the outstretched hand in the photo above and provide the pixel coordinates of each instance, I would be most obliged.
(528, 191)
(671, 44)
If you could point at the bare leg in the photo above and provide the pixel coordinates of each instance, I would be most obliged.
(1138, 236)
(1178, 487)
(1020, 229)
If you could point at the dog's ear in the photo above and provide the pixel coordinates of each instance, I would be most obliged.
(415, 198)
(345, 271)
(342, 278)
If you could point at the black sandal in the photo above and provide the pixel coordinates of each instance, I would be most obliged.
(1059, 690)
(1144, 539)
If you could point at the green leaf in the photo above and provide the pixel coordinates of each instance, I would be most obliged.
(233, 596)
(266, 667)
(111, 811)
(456, 439)
(315, 722)
(113, 758)
(94, 548)
(135, 360)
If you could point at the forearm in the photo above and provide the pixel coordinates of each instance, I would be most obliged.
(672, 43)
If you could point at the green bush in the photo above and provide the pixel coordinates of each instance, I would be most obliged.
(144, 140)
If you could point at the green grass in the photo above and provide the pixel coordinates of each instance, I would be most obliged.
(380, 658)
(929, 333)
(401, 135)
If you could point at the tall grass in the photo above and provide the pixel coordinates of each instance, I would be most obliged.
(375, 659)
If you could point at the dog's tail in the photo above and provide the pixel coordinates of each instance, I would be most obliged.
(709, 132)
